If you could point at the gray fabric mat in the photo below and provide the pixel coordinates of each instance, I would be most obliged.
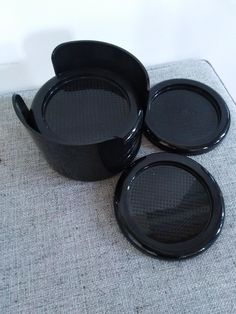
(61, 250)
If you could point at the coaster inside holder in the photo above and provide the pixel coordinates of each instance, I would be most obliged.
(168, 205)
(85, 108)
(185, 116)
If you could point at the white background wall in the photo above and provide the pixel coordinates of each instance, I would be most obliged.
(155, 31)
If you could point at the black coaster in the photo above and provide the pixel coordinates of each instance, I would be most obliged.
(85, 109)
(168, 205)
(186, 116)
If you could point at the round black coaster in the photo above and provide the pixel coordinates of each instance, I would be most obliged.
(85, 109)
(186, 116)
(168, 205)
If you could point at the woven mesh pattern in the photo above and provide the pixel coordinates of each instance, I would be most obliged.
(183, 117)
(169, 204)
(87, 110)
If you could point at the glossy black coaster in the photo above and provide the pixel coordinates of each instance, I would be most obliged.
(186, 116)
(88, 118)
(85, 109)
(168, 205)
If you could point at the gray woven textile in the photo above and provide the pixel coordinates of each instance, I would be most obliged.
(61, 250)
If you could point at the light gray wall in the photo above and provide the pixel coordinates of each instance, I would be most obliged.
(155, 31)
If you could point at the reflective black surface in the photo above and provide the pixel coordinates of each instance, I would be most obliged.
(86, 107)
(168, 205)
(186, 116)
(88, 119)
(88, 110)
